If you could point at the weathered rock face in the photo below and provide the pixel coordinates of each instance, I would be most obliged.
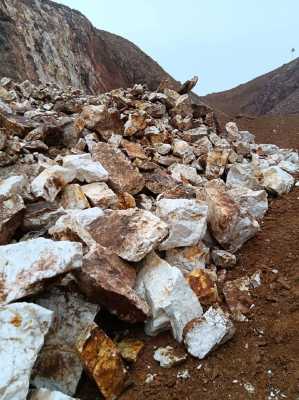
(83, 57)
(58, 366)
(22, 330)
(45, 394)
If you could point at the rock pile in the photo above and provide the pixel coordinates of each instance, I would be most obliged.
(132, 201)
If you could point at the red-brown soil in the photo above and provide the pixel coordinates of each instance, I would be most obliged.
(265, 350)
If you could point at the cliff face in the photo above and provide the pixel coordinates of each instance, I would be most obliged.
(44, 41)
(275, 93)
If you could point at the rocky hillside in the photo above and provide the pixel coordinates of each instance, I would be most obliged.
(276, 93)
(47, 42)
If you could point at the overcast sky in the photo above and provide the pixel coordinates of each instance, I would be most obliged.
(224, 42)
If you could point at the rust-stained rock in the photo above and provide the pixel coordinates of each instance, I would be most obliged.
(45, 394)
(41, 215)
(216, 162)
(50, 182)
(130, 233)
(159, 181)
(168, 357)
(137, 121)
(223, 259)
(189, 258)
(231, 225)
(58, 366)
(15, 125)
(107, 279)
(73, 197)
(203, 284)
(27, 267)
(102, 361)
(125, 201)
(86, 169)
(11, 216)
(133, 150)
(123, 177)
(130, 348)
(100, 195)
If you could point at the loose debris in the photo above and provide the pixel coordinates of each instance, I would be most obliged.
(167, 357)
(133, 194)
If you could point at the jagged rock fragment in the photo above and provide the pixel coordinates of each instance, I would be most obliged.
(204, 334)
(58, 366)
(123, 177)
(130, 349)
(203, 284)
(100, 195)
(108, 280)
(41, 215)
(23, 327)
(216, 162)
(168, 357)
(254, 201)
(86, 169)
(223, 259)
(102, 361)
(185, 173)
(45, 394)
(277, 181)
(27, 267)
(51, 181)
(130, 233)
(15, 184)
(187, 221)
(73, 197)
(189, 258)
(171, 300)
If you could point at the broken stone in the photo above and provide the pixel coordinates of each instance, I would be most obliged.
(183, 149)
(159, 182)
(203, 284)
(185, 173)
(131, 233)
(41, 216)
(254, 201)
(277, 181)
(125, 201)
(163, 148)
(73, 197)
(71, 314)
(50, 182)
(102, 361)
(13, 185)
(216, 162)
(168, 357)
(170, 298)
(186, 219)
(86, 170)
(45, 394)
(108, 280)
(72, 226)
(123, 177)
(232, 131)
(230, 224)
(189, 258)
(245, 175)
(130, 349)
(100, 195)
(188, 85)
(27, 267)
(137, 121)
(223, 259)
(23, 327)
(202, 335)
(11, 216)
(133, 150)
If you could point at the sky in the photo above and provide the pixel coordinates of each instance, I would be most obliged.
(224, 42)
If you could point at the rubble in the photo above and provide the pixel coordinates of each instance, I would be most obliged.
(141, 192)
(102, 361)
(27, 267)
(202, 335)
(71, 314)
(187, 221)
(23, 327)
(168, 357)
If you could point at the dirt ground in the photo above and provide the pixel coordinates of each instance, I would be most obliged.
(261, 362)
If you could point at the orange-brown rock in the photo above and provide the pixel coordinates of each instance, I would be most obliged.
(130, 348)
(203, 283)
(123, 177)
(11, 216)
(102, 361)
(108, 280)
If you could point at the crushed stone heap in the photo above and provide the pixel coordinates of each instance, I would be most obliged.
(130, 201)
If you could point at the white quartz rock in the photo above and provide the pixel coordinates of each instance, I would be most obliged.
(289, 166)
(202, 335)
(72, 313)
(25, 267)
(189, 258)
(277, 180)
(222, 258)
(186, 219)
(50, 182)
(45, 394)
(183, 150)
(13, 185)
(172, 301)
(254, 201)
(85, 168)
(232, 131)
(167, 357)
(23, 327)
(100, 195)
(75, 223)
(245, 175)
(182, 172)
